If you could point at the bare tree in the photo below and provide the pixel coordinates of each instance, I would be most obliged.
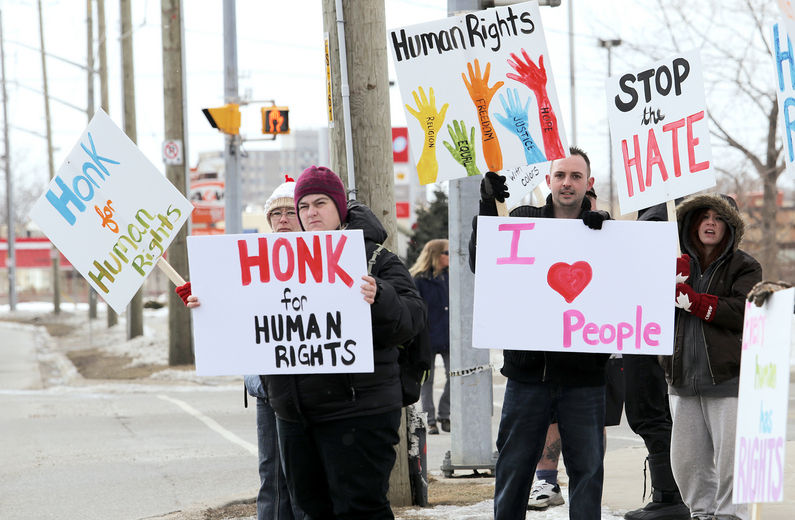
(26, 192)
(735, 40)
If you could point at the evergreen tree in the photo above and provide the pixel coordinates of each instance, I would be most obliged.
(431, 223)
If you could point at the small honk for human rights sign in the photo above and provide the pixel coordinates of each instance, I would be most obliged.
(110, 211)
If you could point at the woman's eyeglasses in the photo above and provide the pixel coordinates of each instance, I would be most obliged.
(446, 253)
(278, 214)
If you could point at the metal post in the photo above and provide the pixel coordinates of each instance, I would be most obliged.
(11, 258)
(54, 253)
(232, 218)
(609, 44)
(571, 75)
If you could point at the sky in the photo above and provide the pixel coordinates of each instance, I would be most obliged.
(280, 57)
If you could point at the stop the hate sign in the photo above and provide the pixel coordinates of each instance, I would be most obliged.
(659, 132)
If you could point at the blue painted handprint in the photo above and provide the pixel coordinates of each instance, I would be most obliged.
(515, 120)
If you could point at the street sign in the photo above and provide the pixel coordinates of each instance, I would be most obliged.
(172, 152)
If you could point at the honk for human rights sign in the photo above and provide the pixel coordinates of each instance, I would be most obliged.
(110, 211)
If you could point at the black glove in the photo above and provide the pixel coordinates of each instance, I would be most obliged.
(493, 187)
(594, 219)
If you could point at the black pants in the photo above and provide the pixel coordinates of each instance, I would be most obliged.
(340, 469)
(646, 402)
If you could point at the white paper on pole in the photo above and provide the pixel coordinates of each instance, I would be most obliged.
(557, 285)
(110, 211)
(762, 413)
(308, 316)
(784, 63)
(659, 132)
(519, 126)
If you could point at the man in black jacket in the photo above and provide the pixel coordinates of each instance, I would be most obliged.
(572, 385)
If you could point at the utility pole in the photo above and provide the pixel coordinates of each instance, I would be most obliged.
(368, 86)
(11, 257)
(55, 254)
(92, 294)
(232, 215)
(112, 317)
(609, 44)
(135, 311)
(179, 329)
(571, 76)
(364, 27)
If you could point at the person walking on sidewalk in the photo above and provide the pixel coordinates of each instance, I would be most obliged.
(703, 372)
(337, 431)
(273, 497)
(431, 277)
(570, 385)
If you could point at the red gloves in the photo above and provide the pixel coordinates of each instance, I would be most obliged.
(682, 268)
(701, 305)
(183, 291)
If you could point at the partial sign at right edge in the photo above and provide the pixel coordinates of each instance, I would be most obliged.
(761, 438)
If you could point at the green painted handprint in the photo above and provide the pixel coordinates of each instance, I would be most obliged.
(462, 149)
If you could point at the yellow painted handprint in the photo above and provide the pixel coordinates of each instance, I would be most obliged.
(431, 121)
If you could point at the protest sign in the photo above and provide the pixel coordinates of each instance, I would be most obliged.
(788, 15)
(759, 450)
(110, 211)
(659, 132)
(557, 285)
(287, 303)
(785, 90)
(479, 94)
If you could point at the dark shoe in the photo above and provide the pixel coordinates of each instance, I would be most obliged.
(445, 424)
(433, 430)
(660, 511)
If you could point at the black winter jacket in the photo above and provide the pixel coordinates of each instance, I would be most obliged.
(733, 275)
(564, 368)
(435, 290)
(397, 314)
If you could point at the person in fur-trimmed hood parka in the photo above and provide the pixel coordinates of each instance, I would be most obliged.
(713, 279)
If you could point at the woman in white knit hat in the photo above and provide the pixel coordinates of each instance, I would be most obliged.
(273, 499)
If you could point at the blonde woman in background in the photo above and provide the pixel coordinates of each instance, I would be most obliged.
(432, 280)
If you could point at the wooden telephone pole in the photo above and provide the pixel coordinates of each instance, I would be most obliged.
(180, 351)
(135, 310)
(364, 29)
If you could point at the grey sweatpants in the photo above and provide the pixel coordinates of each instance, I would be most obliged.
(702, 455)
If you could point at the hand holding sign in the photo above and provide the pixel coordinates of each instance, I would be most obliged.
(431, 121)
(481, 94)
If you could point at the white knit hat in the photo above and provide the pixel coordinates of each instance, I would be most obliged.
(282, 196)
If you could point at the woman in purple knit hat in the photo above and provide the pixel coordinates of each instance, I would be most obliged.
(337, 431)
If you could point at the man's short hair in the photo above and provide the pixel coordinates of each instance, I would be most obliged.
(573, 150)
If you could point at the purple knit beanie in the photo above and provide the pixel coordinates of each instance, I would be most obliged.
(321, 180)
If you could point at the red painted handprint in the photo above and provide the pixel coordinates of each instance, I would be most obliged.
(481, 95)
(535, 78)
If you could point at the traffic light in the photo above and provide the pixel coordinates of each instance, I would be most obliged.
(275, 120)
(225, 118)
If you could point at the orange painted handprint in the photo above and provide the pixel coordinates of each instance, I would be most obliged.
(481, 95)
(431, 121)
(535, 78)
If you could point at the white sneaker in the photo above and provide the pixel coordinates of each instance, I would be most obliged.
(544, 495)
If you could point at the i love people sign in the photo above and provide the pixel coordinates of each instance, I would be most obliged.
(557, 285)
(286, 303)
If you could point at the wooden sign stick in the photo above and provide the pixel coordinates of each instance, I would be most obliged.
(172, 274)
(671, 207)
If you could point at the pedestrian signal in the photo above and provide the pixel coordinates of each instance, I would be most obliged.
(275, 120)
(225, 118)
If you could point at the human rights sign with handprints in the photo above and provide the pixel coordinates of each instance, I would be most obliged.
(478, 93)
